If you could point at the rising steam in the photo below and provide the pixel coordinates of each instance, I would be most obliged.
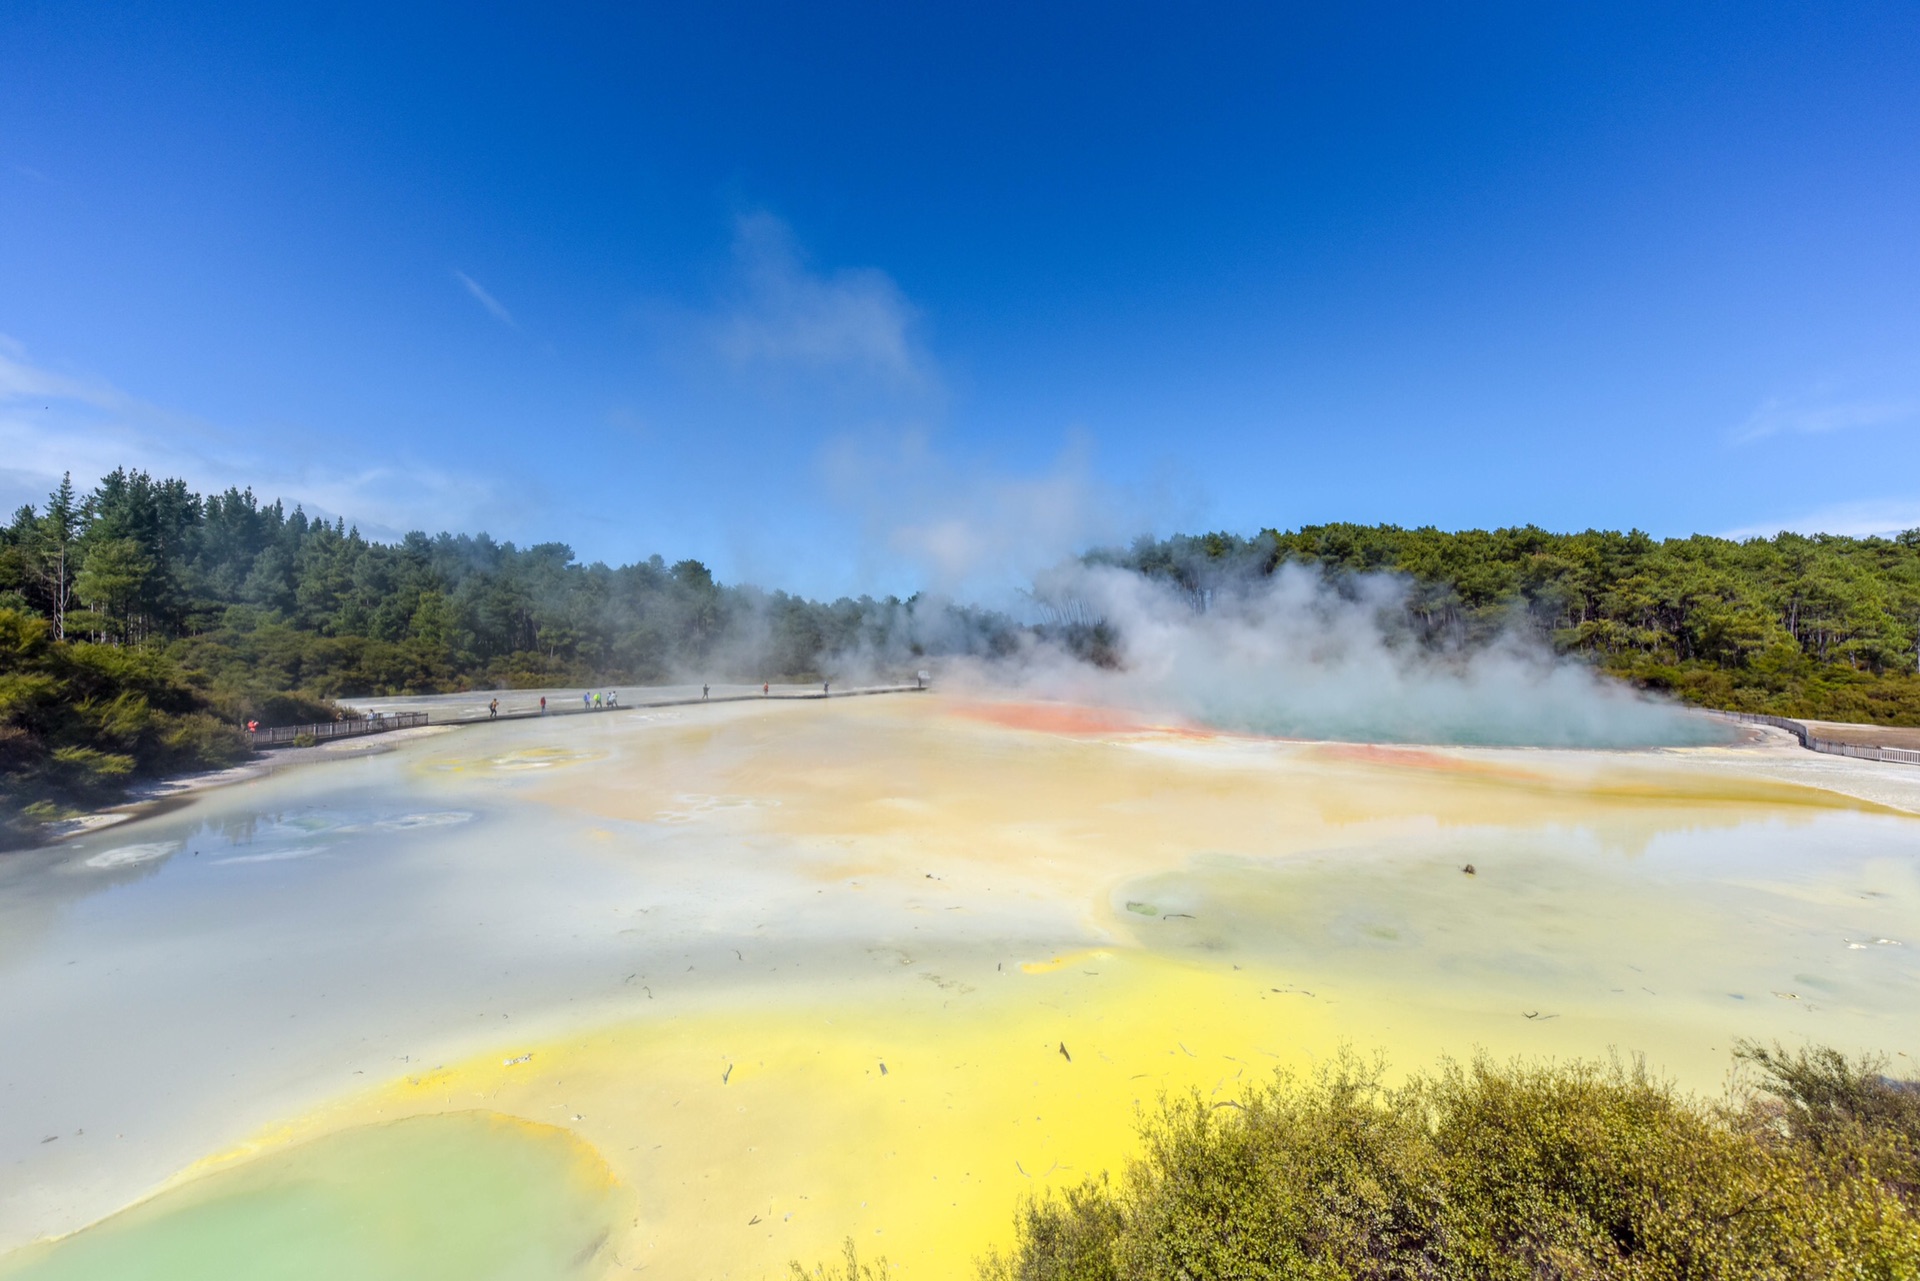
(1297, 654)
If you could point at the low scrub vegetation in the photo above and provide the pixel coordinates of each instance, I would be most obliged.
(79, 721)
(1491, 1172)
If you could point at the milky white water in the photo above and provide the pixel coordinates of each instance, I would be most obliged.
(737, 981)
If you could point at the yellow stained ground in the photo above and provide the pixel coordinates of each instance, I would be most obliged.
(913, 1114)
(754, 1136)
(892, 790)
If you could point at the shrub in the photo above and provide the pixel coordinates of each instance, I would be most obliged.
(87, 773)
(79, 722)
(1847, 1111)
(1498, 1172)
(198, 740)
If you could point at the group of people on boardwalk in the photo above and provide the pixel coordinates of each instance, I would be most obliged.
(596, 701)
(589, 701)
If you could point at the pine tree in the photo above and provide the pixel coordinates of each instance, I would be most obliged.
(57, 532)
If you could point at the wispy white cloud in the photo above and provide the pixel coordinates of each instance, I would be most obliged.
(784, 314)
(480, 295)
(842, 350)
(21, 380)
(53, 422)
(1882, 517)
(1814, 417)
(969, 528)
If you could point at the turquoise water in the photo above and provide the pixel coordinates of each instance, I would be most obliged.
(466, 1195)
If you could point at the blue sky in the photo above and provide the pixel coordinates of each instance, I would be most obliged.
(876, 296)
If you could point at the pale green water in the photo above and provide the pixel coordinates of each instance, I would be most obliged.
(466, 1195)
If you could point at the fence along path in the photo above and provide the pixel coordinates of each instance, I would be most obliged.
(1813, 743)
(286, 735)
(380, 722)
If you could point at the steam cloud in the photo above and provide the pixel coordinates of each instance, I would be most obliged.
(1297, 655)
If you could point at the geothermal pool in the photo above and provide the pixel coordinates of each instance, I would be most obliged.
(703, 990)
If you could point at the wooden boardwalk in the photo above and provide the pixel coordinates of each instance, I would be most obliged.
(381, 722)
(1814, 742)
(289, 735)
(573, 707)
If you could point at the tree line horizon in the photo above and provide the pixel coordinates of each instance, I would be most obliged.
(141, 621)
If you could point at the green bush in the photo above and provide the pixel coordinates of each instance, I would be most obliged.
(79, 722)
(1848, 1112)
(200, 741)
(271, 707)
(87, 772)
(1498, 1172)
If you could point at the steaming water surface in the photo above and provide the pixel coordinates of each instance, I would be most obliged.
(755, 977)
